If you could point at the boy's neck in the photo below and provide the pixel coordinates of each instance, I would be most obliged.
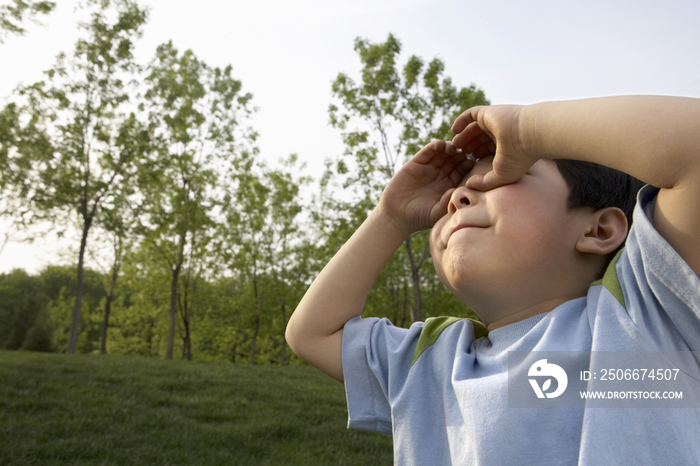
(526, 313)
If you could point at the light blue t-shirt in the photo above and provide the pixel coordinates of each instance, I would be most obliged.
(441, 388)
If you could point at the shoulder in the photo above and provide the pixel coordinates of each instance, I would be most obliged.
(656, 287)
(435, 326)
(380, 340)
(653, 259)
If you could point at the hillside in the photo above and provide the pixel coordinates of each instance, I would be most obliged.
(109, 410)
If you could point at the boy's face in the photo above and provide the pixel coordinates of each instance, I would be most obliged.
(511, 246)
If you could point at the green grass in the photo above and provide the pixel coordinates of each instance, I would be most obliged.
(118, 410)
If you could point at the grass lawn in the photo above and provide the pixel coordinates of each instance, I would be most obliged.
(118, 410)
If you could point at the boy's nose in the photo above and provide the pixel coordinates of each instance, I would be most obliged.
(461, 197)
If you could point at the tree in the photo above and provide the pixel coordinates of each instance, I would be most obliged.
(290, 274)
(12, 16)
(195, 114)
(22, 299)
(16, 184)
(393, 114)
(140, 319)
(60, 284)
(88, 143)
(118, 220)
(249, 235)
(264, 244)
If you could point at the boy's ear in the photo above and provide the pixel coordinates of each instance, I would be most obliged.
(606, 231)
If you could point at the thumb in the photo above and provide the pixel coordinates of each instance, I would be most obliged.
(506, 169)
(486, 182)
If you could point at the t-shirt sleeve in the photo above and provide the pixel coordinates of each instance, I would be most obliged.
(376, 359)
(661, 291)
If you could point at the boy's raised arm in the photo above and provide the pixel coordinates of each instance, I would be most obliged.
(415, 199)
(653, 138)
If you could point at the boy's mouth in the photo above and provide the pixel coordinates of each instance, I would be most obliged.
(463, 226)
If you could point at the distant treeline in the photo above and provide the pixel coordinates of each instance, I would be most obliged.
(36, 311)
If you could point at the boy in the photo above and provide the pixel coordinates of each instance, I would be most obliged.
(508, 240)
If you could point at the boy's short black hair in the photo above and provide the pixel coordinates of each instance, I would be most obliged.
(597, 186)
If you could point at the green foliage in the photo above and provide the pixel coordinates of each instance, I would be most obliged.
(195, 115)
(41, 336)
(88, 144)
(21, 303)
(404, 109)
(139, 321)
(36, 311)
(385, 118)
(114, 410)
(13, 15)
(211, 247)
(265, 249)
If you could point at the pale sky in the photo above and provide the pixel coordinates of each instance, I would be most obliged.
(287, 53)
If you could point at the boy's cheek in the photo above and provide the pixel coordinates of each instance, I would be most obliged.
(435, 234)
(434, 240)
(437, 251)
(437, 264)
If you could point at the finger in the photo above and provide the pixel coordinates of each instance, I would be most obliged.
(456, 167)
(450, 148)
(484, 150)
(479, 135)
(429, 151)
(448, 158)
(486, 182)
(453, 154)
(467, 117)
(472, 137)
(468, 134)
(437, 145)
(511, 168)
(461, 170)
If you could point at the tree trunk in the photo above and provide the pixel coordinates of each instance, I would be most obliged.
(105, 325)
(256, 328)
(284, 340)
(258, 311)
(108, 304)
(75, 324)
(404, 304)
(173, 313)
(417, 299)
(186, 342)
(173, 299)
(415, 277)
(415, 280)
(184, 313)
(149, 338)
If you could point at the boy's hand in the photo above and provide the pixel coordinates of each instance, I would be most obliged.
(493, 130)
(418, 194)
(415, 198)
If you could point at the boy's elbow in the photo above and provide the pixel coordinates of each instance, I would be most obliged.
(297, 338)
(290, 337)
(323, 352)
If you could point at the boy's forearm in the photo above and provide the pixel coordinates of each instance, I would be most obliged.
(653, 138)
(338, 293)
